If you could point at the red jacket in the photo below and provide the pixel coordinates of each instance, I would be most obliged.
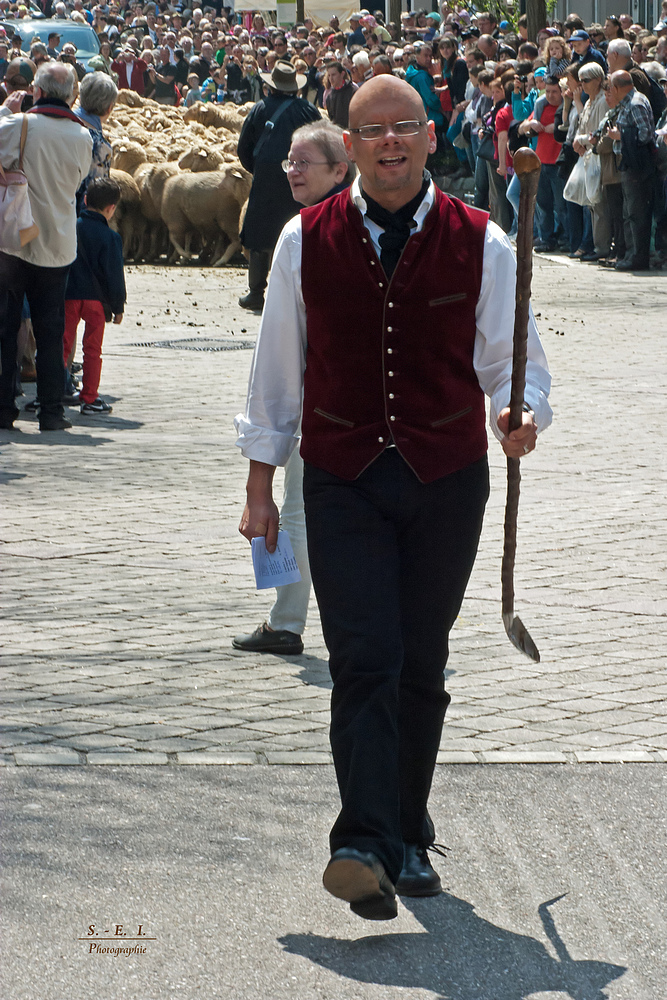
(392, 360)
(136, 81)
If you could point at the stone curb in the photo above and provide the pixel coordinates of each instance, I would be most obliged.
(315, 758)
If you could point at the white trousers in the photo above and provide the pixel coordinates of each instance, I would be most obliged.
(291, 608)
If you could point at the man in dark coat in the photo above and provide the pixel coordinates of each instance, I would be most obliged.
(263, 144)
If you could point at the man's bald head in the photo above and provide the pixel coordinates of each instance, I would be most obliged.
(391, 163)
(621, 79)
(385, 88)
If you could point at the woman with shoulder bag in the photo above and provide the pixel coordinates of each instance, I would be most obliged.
(592, 78)
(579, 219)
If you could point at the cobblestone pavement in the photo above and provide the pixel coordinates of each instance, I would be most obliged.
(124, 578)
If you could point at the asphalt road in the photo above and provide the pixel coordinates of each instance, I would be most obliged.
(555, 887)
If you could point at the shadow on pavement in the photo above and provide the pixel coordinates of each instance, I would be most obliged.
(108, 420)
(7, 477)
(461, 957)
(60, 438)
(314, 670)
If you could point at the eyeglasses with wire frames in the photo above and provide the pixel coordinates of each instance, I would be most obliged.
(378, 131)
(301, 166)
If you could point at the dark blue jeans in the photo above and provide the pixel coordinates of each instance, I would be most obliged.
(390, 559)
(580, 227)
(552, 220)
(44, 287)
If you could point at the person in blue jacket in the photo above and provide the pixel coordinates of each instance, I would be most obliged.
(95, 287)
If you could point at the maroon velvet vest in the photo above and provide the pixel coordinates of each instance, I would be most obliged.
(392, 360)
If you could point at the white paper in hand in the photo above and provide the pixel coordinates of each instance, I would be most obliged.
(274, 569)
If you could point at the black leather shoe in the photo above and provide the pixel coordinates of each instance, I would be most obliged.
(53, 423)
(253, 301)
(264, 640)
(359, 878)
(418, 877)
(8, 415)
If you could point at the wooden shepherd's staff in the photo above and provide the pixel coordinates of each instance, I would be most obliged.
(527, 167)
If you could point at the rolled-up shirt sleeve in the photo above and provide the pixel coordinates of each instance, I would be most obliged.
(494, 318)
(268, 431)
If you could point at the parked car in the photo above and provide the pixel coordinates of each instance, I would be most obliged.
(81, 35)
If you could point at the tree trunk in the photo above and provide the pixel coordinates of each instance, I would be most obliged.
(395, 12)
(300, 12)
(537, 17)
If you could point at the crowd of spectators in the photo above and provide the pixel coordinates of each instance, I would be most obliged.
(487, 87)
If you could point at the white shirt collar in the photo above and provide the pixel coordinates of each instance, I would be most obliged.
(358, 198)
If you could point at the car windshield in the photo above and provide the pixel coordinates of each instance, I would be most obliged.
(85, 40)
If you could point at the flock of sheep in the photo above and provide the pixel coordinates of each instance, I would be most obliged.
(183, 189)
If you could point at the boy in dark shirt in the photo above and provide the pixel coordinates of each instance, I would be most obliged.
(95, 286)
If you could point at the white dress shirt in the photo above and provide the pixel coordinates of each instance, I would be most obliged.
(269, 430)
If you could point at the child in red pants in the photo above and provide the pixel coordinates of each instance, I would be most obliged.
(95, 287)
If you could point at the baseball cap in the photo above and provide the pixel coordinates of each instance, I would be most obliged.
(21, 67)
(580, 35)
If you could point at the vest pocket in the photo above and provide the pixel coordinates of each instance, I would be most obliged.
(330, 416)
(454, 416)
(457, 297)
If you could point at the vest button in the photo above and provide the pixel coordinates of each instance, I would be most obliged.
(381, 440)
(391, 395)
(372, 263)
(364, 240)
(392, 418)
(390, 374)
(380, 285)
(389, 350)
(390, 329)
(390, 305)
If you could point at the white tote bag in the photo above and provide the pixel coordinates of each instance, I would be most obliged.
(593, 175)
(17, 226)
(575, 188)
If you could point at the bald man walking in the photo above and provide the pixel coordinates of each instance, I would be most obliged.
(392, 371)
